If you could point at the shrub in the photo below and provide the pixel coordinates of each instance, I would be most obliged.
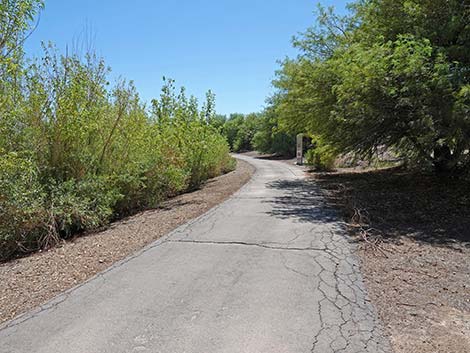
(22, 213)
(75, 154)
(322, 157)
(76, 206)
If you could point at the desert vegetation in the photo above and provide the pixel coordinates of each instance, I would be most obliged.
(391, 74)
(77, 151)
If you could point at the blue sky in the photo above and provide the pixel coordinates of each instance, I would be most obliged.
(229, 46)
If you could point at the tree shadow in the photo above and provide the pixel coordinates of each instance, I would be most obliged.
(301, 200)
(274, 157)
(398, 203)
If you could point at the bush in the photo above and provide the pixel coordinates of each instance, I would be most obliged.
(322, 157)
(75, 154)
(22, 212)
(76, 206)
(276, 138)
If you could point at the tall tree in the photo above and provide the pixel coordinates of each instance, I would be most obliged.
(394, 73)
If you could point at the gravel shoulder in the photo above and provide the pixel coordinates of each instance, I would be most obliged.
(28, 282)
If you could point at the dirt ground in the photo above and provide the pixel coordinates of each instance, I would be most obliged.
(31, 281)
(416, 260)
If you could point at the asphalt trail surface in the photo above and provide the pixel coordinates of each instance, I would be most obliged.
(269, 270)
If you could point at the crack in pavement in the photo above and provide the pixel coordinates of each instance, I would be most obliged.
(242, 243)
(347, 321)
(344, 312)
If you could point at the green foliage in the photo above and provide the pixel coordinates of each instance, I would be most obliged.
(15, 22)
(271, 140)
(22, 198)
(217, 121)
(231, 128)
(76, 152)
(260, 132)
(322, 156)
(271, 137)
(239, 131)
(247, 132)
(394, 74)
(76, 206)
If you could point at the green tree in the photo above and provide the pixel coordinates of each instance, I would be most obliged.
(270, 137)
(16, 23)
(217, 121)
(231, 128)
(16, 18)
(395, 73)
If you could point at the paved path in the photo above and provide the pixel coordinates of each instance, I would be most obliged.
(266, 271)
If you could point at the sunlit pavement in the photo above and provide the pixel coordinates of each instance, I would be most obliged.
(269, 270)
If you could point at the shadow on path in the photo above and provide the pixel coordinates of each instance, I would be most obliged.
(302, 200)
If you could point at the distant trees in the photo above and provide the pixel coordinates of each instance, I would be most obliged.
(231, 129)
(395, 73)
(270, 137)
(239, 130)
(258, 131)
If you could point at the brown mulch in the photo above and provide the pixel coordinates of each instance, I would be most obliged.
(31, 281)
(414, 250)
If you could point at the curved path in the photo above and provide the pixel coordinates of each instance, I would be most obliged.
(266, 271)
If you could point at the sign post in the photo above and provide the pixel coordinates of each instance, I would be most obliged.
(300, 149)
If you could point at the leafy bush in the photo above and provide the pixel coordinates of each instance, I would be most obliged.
(22, 212)
(76, 153)
(262, 141)
(322, 156)
(76, 206)
(271, 137)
